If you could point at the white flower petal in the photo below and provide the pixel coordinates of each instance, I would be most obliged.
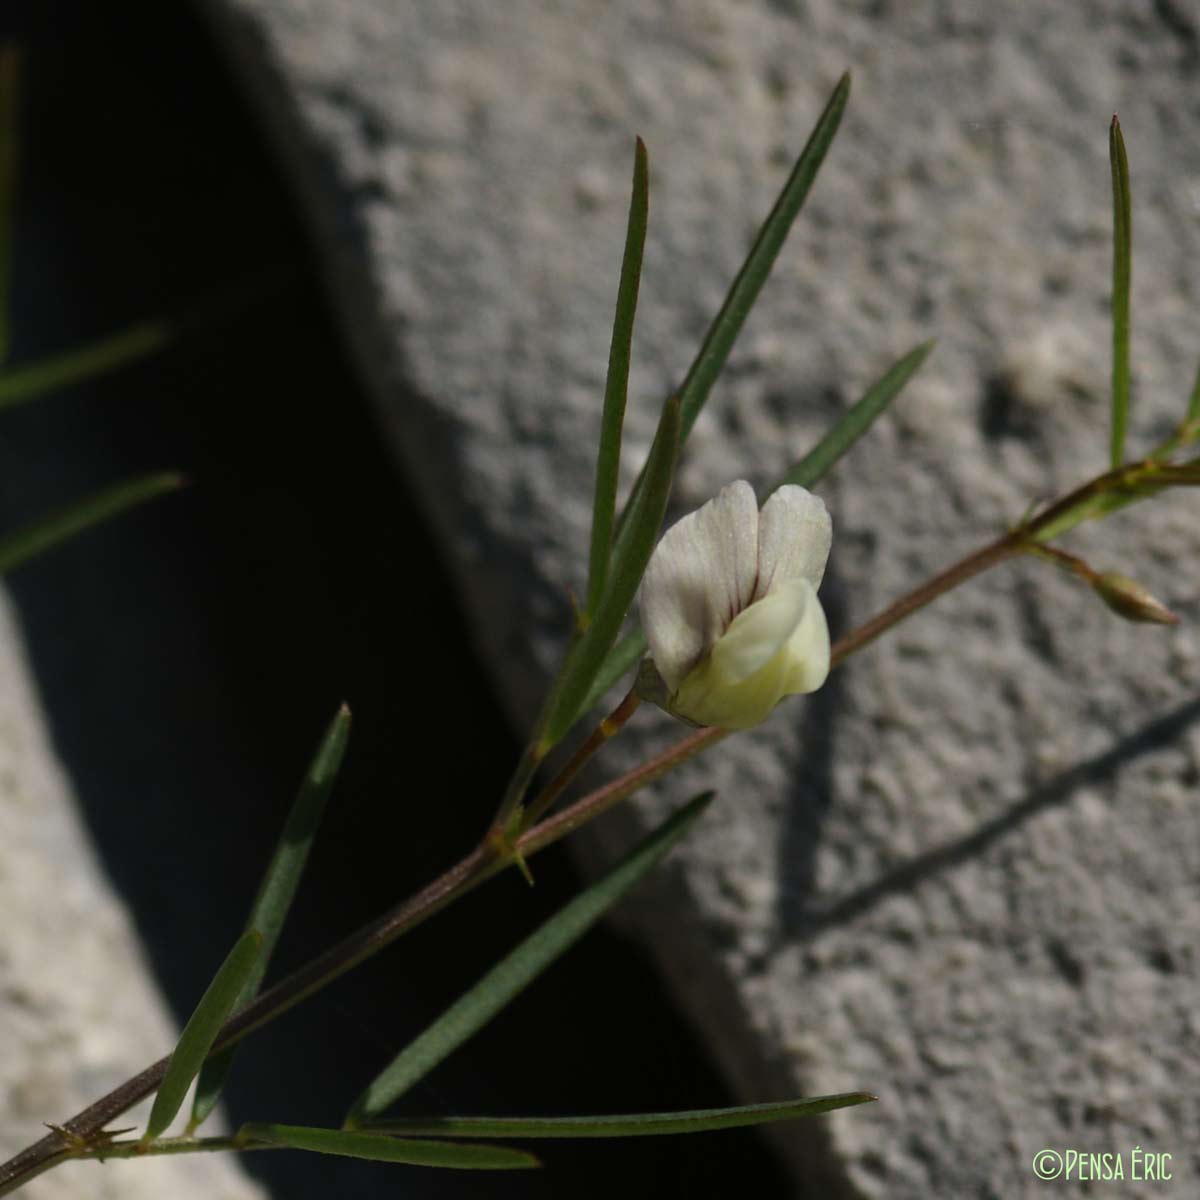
(700, 576)
(794, 536)
(777, 647)
(760, 632)
(807, 650)
(736, 706)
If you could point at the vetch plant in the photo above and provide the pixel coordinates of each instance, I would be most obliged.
(732, 623)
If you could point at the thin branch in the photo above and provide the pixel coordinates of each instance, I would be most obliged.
(483, 862)
(608, 728)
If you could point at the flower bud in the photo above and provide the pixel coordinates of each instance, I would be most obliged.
(1128, 599)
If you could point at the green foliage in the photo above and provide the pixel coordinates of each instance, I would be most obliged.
(715, 348)
(17, 548)
(201, 1031)
(22, 384)
(1193, 408)
(815, 465)
(630, 556)
(1122, 267)
(743, 292)
(700, 1120)
(380, 1148)
(616, 390)
(519, 968)
(278, 889)
(808, 472)
(718, 341)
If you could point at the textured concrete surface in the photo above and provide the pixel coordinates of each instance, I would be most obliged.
(76, 1004)
(966, 875)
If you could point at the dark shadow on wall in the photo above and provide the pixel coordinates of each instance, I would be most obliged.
(818, 915)
(190, 654)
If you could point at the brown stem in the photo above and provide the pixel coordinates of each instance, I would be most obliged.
(1071, 563)
(1007, 546)
(483, 862)
(609, 727)
(479, 865)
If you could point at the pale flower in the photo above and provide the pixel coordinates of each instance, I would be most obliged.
(729, 606)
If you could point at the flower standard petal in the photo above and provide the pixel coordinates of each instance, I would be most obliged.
(794, 536)
(699, 578)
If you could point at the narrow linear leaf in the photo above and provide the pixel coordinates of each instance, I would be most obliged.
(1193, 408)
(278, 889)
(719, 339)
(201, 1030)
(43, 535)
(1188, 431)
(857, 420)
(1097, 507)
(1122, 267)
(515, 972)
(807, 472)
(10, 81)
(380, 1148)
(616, 388)
(22, 384)
(619, 661)
(629, 561)
(700, 1120)
(743, 292)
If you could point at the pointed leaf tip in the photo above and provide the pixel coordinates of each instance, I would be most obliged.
(508, 978)
(622, 1125)
(616, 387)
(278, 889)
(17, 548)
(858, 419)
(1122, 271)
